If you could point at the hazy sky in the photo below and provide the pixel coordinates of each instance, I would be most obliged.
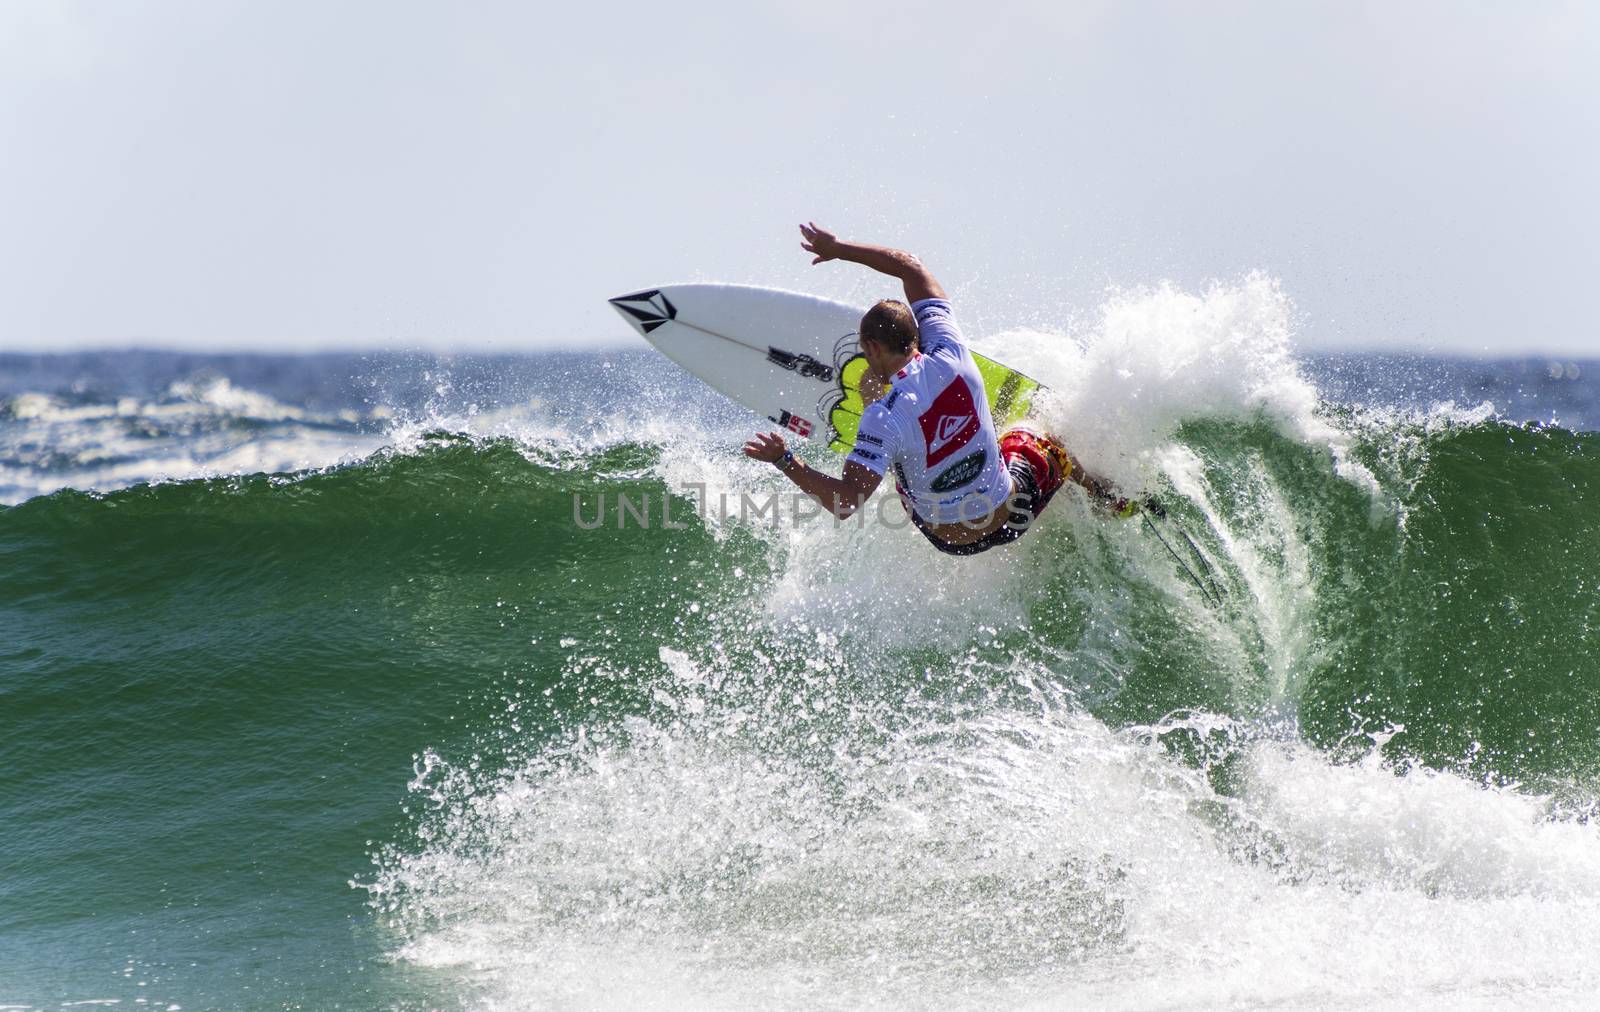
(484, 175)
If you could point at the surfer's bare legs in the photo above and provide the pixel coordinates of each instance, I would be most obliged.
(1104, 494)
(1098, 488)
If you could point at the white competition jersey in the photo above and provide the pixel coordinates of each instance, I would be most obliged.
(933, 426)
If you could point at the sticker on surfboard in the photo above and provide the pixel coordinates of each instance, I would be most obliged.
(1008, 392)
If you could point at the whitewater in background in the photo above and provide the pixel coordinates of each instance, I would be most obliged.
(316, 694)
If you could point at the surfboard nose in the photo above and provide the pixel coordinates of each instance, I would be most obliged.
(645, 310)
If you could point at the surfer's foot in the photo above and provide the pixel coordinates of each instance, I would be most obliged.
(1105, 498)
(1122, 508)
(1102, 494)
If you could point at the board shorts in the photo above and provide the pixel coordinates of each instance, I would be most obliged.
(1038, 467)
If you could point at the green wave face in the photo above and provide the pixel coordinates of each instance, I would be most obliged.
(405, 732)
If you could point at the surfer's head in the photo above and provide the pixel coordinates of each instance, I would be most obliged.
(891, 325)
(888, 334)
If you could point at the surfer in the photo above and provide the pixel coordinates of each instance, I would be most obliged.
(966, 487)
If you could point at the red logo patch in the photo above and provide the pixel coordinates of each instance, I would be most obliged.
(949, 422)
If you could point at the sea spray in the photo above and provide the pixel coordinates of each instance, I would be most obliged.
(393, 730)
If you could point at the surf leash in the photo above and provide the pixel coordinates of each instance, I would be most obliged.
(1199, 556)
(1213, 599)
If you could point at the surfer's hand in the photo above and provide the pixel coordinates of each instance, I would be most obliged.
(765, 446)
(816, 239)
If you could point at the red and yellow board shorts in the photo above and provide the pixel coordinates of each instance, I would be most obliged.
(1038, 466)
(1047, 460)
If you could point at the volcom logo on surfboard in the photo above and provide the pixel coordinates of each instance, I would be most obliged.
(949, 422)
(646, 310)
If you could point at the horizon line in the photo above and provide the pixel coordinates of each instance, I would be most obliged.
(634, 343)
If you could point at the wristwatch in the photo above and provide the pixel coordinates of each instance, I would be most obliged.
(783, 462)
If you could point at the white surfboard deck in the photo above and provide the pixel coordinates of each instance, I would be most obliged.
(788, 356)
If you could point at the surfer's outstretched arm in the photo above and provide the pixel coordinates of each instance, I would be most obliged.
(839, 496)
(897, 263)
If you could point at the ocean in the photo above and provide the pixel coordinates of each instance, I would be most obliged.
(348, 681)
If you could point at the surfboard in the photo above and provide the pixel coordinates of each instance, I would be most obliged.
(789, 356)
(795, 359)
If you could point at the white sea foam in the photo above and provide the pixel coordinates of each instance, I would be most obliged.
(1121, 383)
(1006, 858)
(770, 837)
(197, 428)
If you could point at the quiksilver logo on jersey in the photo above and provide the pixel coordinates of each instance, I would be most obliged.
(950, 421)
(950, 427)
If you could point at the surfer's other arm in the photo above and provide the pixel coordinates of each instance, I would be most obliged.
(839, 496)
(897, 263)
